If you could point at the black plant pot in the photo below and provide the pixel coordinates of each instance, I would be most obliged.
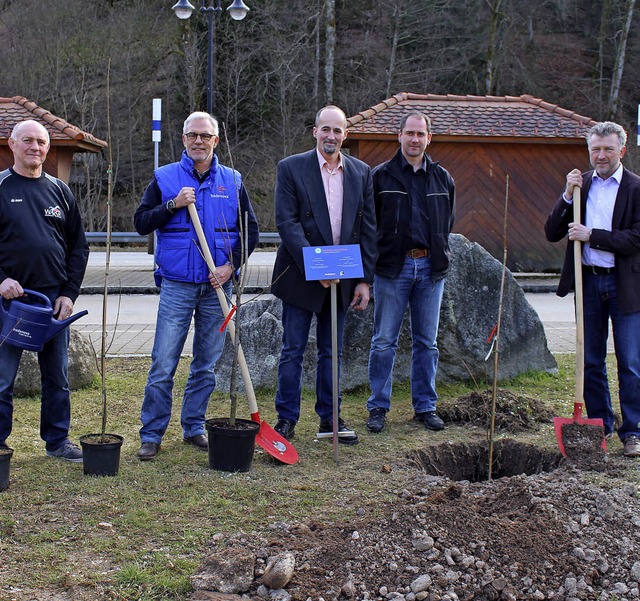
(231, 448)
(101, 454)
(5, 461)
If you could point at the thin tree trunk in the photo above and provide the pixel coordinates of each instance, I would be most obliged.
(394, 49)
(330, 48)
(316, 75)
(494, 25)
(602, 40)
(619, 66)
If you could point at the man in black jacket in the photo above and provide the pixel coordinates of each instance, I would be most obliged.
(610, 233)
(415, 202)
(42, 248)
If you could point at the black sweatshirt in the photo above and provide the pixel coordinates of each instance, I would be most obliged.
(42, 241)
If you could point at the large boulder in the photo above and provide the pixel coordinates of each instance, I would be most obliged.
(82, 367)
(468, 315)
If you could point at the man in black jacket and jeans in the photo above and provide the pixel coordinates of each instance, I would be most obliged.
(415, 201)
(42, 248)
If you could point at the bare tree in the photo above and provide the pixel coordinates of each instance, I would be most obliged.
(496, 19)
(619, 64)
(330, 48)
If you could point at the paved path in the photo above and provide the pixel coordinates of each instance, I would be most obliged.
(133, 303)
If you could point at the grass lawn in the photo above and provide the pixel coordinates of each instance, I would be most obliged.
(141, 534)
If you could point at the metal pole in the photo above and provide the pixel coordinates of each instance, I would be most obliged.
(156, 134)
(334, 367)
(211, 12)
(156, 137)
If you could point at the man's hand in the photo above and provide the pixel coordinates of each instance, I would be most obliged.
(577, 231)
(220, 276)
(327, 283)
(360, 297)
(185, 197)
(10, 289)
(574, 178)
(62, 307)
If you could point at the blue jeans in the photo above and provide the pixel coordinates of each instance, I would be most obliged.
(296, 323)
(413, 287)
(55, 407)
(179, 301)
(600, 304)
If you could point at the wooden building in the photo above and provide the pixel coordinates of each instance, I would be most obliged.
(481, 140)
(66, 139)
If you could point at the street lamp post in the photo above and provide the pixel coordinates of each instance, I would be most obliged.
(238, 11)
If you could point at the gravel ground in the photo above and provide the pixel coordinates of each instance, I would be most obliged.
(569, 534)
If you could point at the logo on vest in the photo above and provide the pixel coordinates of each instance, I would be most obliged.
(222, 192)
(53, 212)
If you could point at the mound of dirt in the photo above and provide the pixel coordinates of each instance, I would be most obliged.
(514, 412)
(548, 536)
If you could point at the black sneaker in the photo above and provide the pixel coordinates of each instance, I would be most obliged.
(67, 451)
(377, 420)
(199, 441)
(430, 420)
(286, 428)
(351, 439)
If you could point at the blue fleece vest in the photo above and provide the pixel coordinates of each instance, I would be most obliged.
(178, 252)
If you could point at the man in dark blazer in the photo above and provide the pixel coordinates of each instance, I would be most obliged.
(322, 197)
(610, 232)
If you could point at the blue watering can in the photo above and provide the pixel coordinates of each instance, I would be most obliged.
(29, 325)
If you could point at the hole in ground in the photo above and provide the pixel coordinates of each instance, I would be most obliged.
(470, 461)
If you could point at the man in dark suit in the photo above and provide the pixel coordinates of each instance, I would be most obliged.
(610, 231)
(322, 197)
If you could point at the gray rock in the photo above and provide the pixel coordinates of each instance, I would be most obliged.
(421, 583)
(635, 572)
(226, 571)
(469, 313)
(279, 570)
(82, 367)
(422, 543)
(279, 595)
(604, 506)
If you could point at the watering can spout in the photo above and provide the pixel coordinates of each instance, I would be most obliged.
(57, 326)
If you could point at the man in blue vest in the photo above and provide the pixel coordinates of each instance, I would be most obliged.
(187, 288)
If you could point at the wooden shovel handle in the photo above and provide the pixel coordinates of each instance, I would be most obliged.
(577, 267)
(244, 369)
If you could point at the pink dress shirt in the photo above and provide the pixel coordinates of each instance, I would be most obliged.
(333, 182)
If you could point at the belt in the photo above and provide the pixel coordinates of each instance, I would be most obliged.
(596, 270)
(418, 253)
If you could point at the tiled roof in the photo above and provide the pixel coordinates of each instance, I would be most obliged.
(16, 109)
(484, 116)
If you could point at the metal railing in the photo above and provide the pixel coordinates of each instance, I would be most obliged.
(266, 238)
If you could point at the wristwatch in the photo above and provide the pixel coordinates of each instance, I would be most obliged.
(171, 205)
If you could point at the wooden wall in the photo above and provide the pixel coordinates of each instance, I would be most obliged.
(537, 175)
(58, 161)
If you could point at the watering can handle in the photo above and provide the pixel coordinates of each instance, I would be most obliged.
(41, 296)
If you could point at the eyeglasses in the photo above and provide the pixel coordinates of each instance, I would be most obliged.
(192, 136)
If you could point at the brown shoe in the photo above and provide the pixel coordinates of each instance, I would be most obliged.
(631, 446)
(148, 450)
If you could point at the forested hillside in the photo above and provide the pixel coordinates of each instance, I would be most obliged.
(288, 58)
